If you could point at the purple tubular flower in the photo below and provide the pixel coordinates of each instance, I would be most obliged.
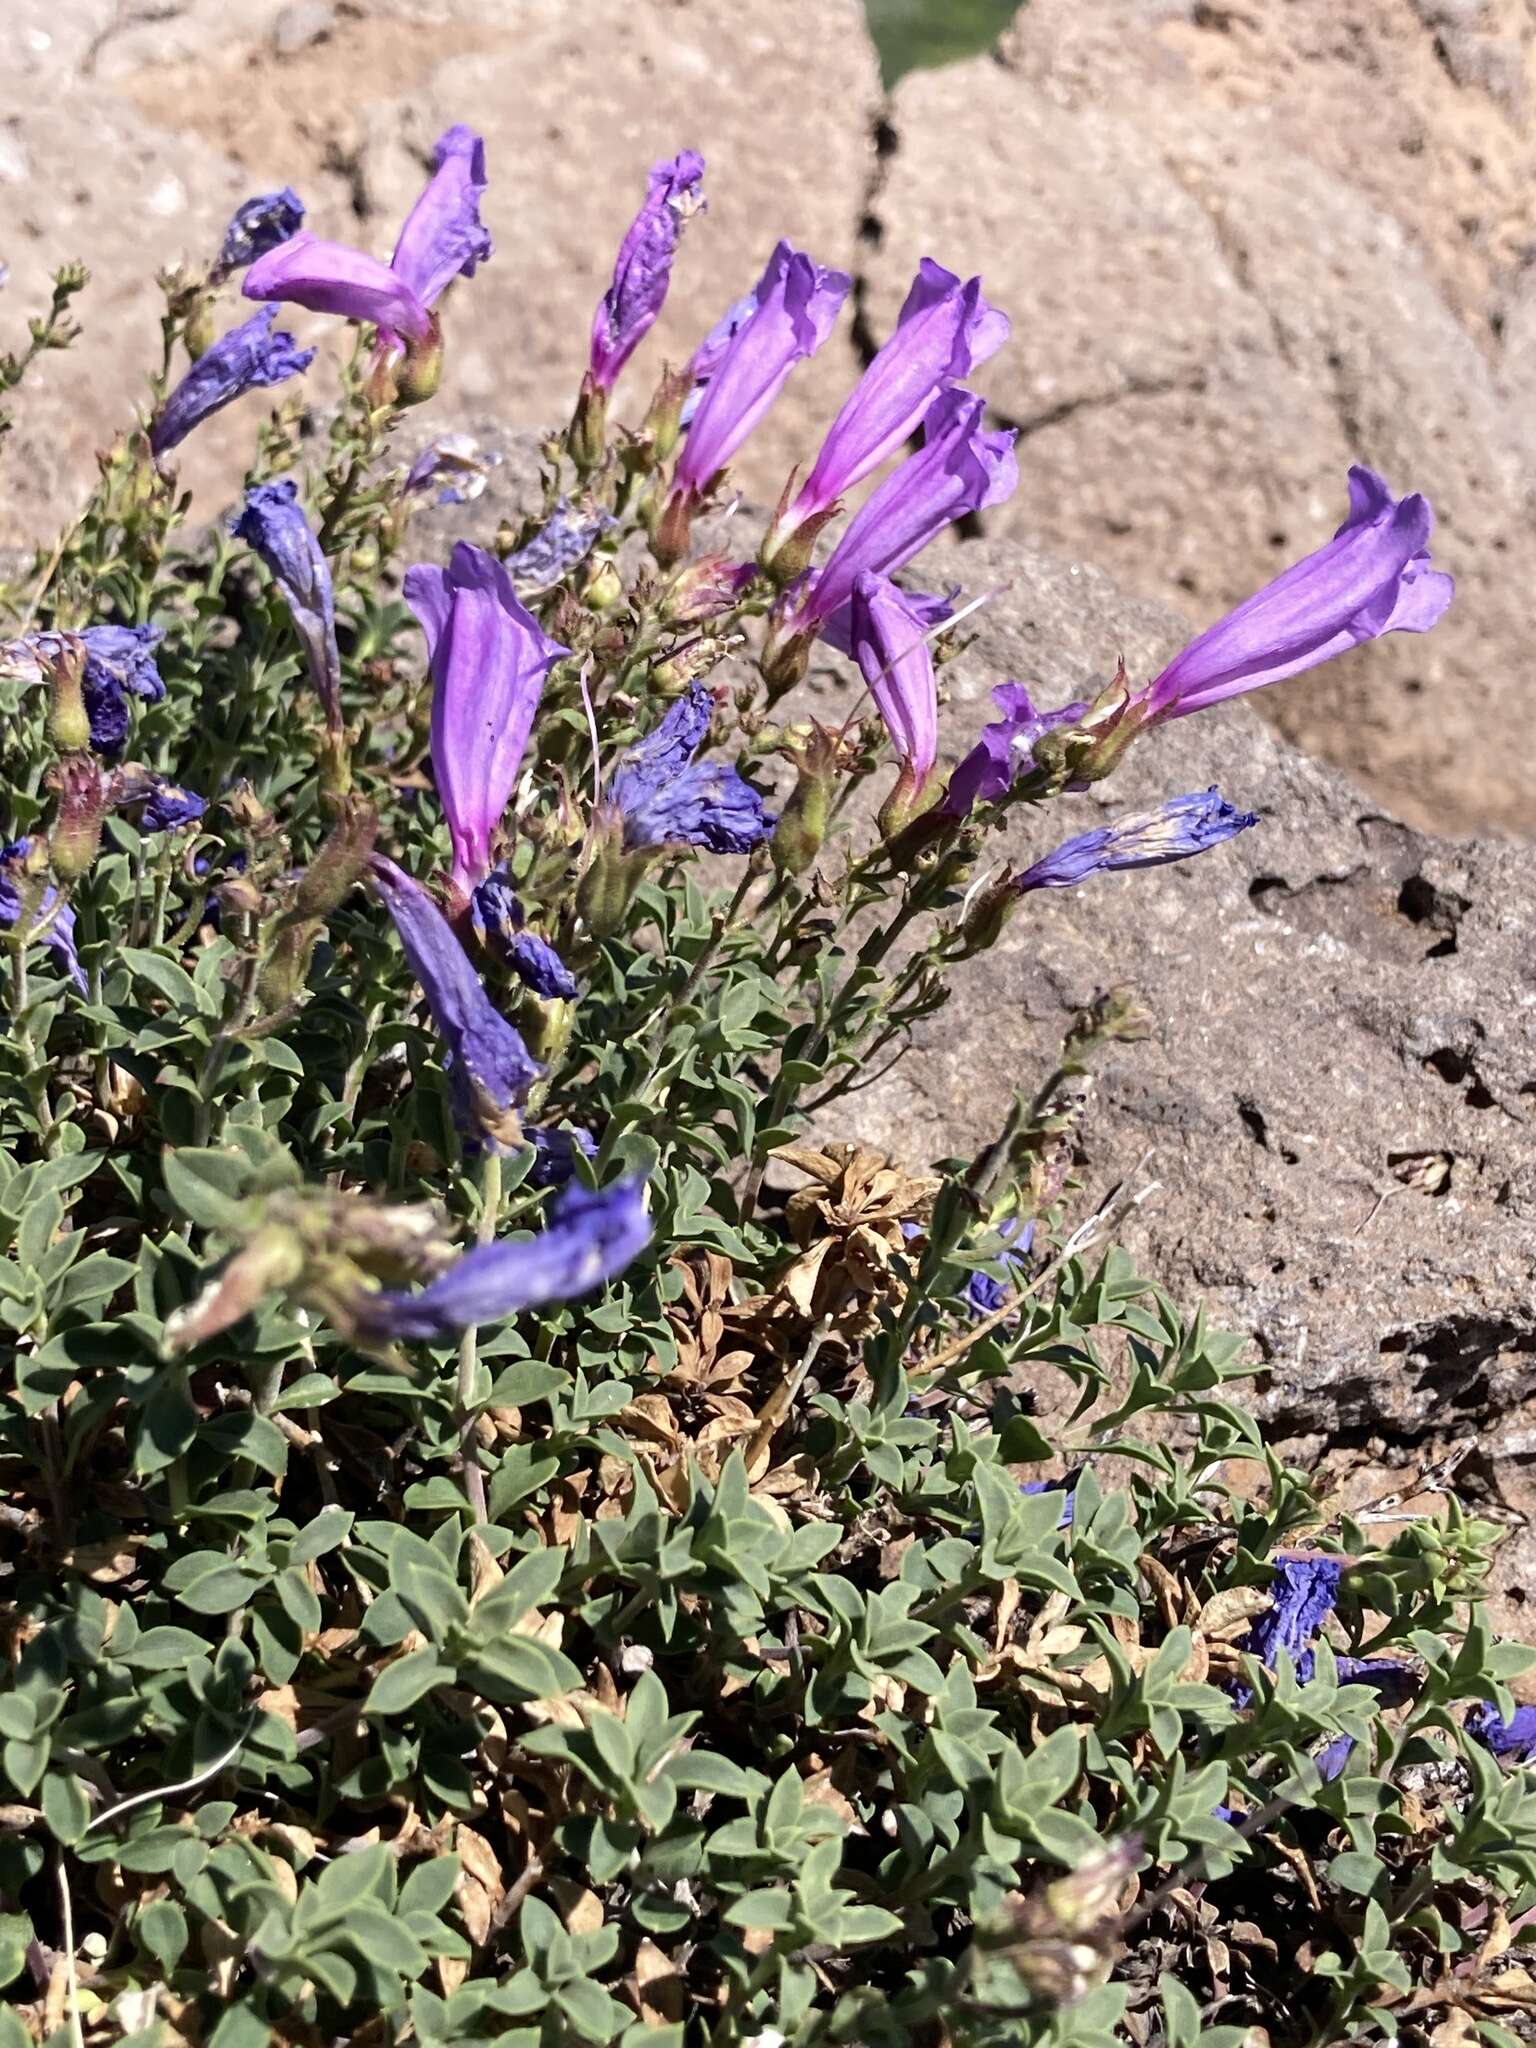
(894, 660)
(441, 239)
(331, 277)
(629, 307)
(260, 224)
(1373, 577)
(710, 353)
(1304, 1592)
(1513, 1741)
(55, 923)
(1392, 1682)
(490, 1069)
(959, 469)
(986, 1295)
(944, 331)
(489, 660)
(249, 357)
(1183, 826)
(590, 1237)
(667, 798)
(795, 306)
(273, 523)
(1005, 750)
(555, 1153)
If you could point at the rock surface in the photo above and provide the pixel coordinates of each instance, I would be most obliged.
(1337, 995)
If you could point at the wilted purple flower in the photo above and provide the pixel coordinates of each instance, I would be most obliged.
(986, 1295)
(455, 466)
(629, 307)
(489, 660)
(1182, 826)
(273, 523)
(154, 804)
(490, 1069)
(1373, 577)
(119, 663)
(666, 798)
(795, 305)
(250, 357)
(1005, 750)
(442, 239)
(590, 1237)
(1513, 1740)
(259, 224)
(1303, 1594)
(1068, 1505)
(498, 920)
(54, 922)
(1392, 1682)
(564, 539)
(945, 329)
(555, 1154)
(892, 652)
(959, 469)
(539, 967)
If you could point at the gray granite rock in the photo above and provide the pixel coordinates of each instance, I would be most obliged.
(1335, 993)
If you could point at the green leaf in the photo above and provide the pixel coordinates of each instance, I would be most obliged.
(916, 35)
(156, 972)
(65, 1807)
(15, 1935)
(410, 1678)
(209, 1187)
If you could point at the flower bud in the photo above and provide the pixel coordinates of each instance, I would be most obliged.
(197, 334)
(703, 590)
(673, 534)
(69, 723)
(605, 586)
(417, 378)
(990, 912)
(274, 1258)
(586, 439)
(76, 837)
(339, 863)
(663, 424)
(802, 826)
